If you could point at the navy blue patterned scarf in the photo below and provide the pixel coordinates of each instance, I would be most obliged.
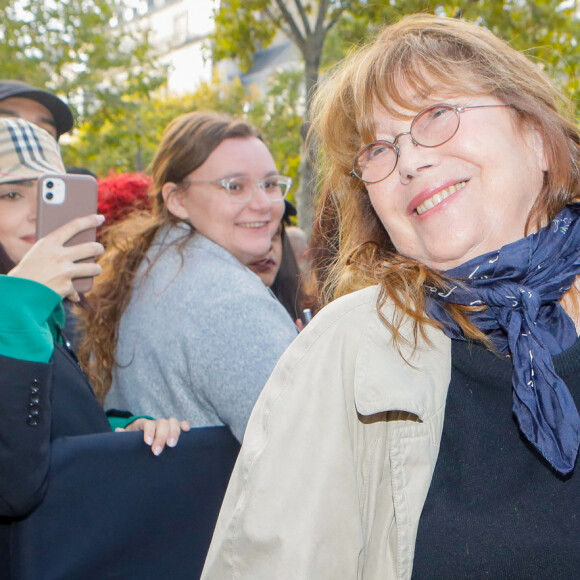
(521, 285)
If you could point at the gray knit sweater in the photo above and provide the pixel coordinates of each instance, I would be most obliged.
(199, 337)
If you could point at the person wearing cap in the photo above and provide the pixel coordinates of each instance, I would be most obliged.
(19, 99)
(43, 393)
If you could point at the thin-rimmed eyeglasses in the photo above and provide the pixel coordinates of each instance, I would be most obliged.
(241, 189)
(431, 127)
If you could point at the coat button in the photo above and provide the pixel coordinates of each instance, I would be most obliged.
(33, 420)
(34, 399)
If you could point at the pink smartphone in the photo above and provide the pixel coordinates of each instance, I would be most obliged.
(61, 198)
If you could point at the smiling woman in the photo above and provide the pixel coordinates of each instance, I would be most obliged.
(177, 320)
(44, 396)
(441, 203)
(437, 395)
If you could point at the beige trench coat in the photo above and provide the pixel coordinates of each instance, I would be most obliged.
(338, 455)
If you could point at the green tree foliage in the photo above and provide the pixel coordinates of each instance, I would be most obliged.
(79, 50)
(325, 30)
(548, 31)
(244, 26)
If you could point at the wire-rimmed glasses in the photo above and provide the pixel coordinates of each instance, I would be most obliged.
(431, 127)
(241, 189)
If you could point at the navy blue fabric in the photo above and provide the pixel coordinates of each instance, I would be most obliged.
(521, 284)
(113, 510)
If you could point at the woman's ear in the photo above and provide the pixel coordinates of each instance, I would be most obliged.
(173, 198)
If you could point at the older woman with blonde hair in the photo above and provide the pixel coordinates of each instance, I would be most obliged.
(425, 423)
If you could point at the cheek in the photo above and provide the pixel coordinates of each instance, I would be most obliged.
(522, 190)
(278, 212)
(8, 225)
(208, 215)
(386, 212)
(195, 208)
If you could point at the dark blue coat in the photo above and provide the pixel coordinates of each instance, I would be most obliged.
(78, 501)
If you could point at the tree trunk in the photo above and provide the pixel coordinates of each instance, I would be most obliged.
(307, 186)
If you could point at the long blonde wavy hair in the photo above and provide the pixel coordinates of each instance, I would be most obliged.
(423, 55)
(186, 144)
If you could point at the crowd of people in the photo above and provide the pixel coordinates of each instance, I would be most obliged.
(424, 424)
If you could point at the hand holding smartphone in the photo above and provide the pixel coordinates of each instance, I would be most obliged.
(61, 198)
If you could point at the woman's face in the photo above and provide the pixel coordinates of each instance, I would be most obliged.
(267, 266)
(244, 229)
(17, 218)
(474, 193)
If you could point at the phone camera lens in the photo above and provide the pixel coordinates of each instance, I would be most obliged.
(49, 184)
(49, 195)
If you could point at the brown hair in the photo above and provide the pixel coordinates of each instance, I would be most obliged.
(186, 144)
(424, 55)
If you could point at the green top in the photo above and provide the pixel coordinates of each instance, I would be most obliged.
(29, 324)
(30, 318)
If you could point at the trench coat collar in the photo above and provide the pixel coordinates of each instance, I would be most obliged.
(385, 381)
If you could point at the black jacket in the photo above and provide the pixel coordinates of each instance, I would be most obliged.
(81, 502)
(38, 404)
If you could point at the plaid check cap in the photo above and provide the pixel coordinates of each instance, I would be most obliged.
(26, 151)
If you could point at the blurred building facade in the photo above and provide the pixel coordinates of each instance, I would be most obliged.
(180, 31)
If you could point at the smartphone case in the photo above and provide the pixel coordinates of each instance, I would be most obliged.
(80, 199)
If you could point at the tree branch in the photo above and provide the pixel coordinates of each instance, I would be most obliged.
(339, 12)
(303, 16)
(322, 10)
(294, 31)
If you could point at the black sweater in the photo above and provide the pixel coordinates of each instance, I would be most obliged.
(495, 508)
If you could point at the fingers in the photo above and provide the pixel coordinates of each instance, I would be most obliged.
(161, 436)
(84, 251)
(167, 433)
(148, 427)
(73, 295)
(51, 263)
(85, 270)
(159, 433)
(64, 285)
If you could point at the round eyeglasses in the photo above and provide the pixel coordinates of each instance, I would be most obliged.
(431, 127)
(241, 189)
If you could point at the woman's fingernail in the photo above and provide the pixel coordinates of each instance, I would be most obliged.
(172, 442)
(157, 450)
(149, 440)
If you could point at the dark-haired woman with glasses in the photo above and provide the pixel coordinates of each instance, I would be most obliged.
(425, 423)
(177, 320)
